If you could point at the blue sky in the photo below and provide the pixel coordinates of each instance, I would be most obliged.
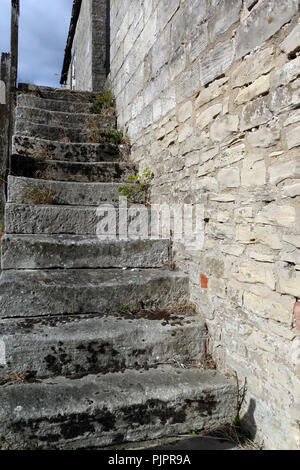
(44, 26)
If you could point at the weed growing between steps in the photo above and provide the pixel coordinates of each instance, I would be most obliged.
(42, 154)
(37, 195)
(103, 103)
(139, 187)
(173, 314)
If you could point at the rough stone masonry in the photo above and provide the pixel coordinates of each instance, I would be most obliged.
(209, 93)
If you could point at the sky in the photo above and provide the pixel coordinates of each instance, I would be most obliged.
(44, 26)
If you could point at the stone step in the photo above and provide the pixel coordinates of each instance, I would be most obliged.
(60, 94)
(20, 190)
(31, 293)
(77, 251)
(71, 171)
(75, 220)
(100, 410)
(72, 346)
(64, 119)
(67, 151)
(61, 133)
(31, 101)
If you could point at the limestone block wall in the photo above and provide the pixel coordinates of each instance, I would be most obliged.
(208, 91)
(81, 64)
(4, 126)
(87, 70)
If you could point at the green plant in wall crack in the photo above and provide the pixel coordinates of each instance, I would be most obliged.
(139, 187)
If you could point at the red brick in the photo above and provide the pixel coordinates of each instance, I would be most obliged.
(204, 281)
(297, 314)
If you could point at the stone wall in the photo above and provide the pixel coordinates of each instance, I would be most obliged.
(208, 91)
(4, 127)
(88, 63)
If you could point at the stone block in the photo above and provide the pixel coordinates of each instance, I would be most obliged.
(292, 240)
(264, 137)
(253, 67)
(161, 52)
(217, 88)
(207, 116)
(259, 87)
(223, 14)
(255, 113)
(292, 41)
(199, 42)
(269, 305)
(292, 118)
(255, 272)
(272, 214)
(284, 169)
(223, 127)
(229, 178)
(297, 314)
(263, 22)
(291, 190)
(286, 73)
(285, 98)
(244, 234)
(291, 256)
(267, 236)
(185, 111)
(177, 62)
(253, 171)
(188, 84)
(292, 136)
(2, 92)
(216, 61)
(289, 281)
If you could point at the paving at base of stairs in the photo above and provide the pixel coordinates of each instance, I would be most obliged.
(100, 345)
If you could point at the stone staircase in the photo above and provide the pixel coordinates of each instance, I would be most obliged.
(81, 369)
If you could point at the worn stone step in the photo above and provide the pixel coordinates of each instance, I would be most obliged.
(31, 101)
(100, 410)
(71, 171)
(72, 346)
(31, 293)
(76, 152)
(61, 133)
(64, 119)
(77, 251)
(75, 220)
(56, 93)
(20, 191)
